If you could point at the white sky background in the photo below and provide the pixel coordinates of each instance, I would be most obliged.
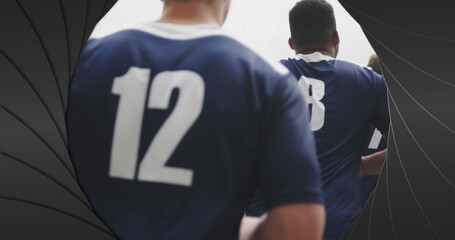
(259, 23)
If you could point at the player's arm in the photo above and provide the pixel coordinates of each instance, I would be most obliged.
(289, 170)
(372, 164)
(295, 221)
(249, 227)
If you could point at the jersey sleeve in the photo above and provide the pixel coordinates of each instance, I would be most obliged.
(380, 117)
(289, 169)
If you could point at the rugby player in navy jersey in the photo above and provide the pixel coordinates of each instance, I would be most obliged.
(343, 99)
(172, 124)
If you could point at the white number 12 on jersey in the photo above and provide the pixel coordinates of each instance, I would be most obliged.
(132, 88)
(318, 91)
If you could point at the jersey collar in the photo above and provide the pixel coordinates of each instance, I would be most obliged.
(179, 31)
(313, 57)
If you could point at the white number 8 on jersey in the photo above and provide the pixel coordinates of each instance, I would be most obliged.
(313, 91)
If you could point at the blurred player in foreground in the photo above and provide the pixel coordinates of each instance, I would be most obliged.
(376, 143)
(172, 124)
(343, 100)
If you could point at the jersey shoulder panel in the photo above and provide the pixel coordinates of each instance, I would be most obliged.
(208, 37)
(365, 72)
(349, 71)
(177, 32)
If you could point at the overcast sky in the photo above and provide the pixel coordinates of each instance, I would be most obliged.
(260, 23)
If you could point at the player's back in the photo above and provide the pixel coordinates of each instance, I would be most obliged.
(344, 99)
(174, 114)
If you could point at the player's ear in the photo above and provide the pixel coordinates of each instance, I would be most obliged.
(335, 38)
(291, 44)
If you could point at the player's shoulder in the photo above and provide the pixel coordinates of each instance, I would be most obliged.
(255, 58)
(350, 72)
(209, 39)
(150, 34)
(363, 76)
(322, 60)
(352, 66)
(236, 50)
(115, 46)
(361, 73)
(258, 59)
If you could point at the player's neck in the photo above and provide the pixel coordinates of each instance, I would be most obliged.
(191, 12)
(312, 48)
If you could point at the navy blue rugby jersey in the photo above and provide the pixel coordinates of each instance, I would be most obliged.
(343, 99)
(172, 127)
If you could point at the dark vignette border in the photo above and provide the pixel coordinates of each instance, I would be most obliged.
(414, 41)
(39, 45)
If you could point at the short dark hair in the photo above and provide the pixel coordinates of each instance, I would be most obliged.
(312, 21)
